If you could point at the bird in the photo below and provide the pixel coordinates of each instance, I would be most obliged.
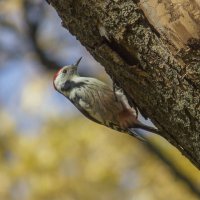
(98, 101)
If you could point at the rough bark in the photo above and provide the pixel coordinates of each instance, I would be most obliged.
(159, 73)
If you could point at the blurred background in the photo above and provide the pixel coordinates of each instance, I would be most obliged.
(48, 151)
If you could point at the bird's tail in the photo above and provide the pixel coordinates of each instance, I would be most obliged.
(146, 128)
(138, 134)
(132, 130)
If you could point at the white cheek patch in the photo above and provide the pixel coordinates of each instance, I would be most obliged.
(59, 81)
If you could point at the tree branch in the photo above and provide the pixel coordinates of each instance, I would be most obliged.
(139, 60)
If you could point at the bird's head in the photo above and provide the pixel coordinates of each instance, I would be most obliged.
(67, 73)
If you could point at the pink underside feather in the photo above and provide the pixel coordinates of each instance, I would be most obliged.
(127, 119)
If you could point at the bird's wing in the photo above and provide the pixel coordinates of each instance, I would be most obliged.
(97, 100)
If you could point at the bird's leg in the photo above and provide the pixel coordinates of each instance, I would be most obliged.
(133, 104)
(130, 102)
(114, 90)
(115, 87)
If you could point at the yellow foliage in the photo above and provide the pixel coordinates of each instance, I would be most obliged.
(78, 159)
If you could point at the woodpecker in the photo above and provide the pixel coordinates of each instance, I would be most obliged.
(98, 102)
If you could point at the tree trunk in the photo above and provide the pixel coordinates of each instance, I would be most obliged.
(151, 49)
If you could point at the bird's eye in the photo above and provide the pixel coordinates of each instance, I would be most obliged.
(64, 71)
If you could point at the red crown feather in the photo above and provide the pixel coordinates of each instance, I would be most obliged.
(54, 77)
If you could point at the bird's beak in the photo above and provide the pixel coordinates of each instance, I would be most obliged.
(78, 61)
